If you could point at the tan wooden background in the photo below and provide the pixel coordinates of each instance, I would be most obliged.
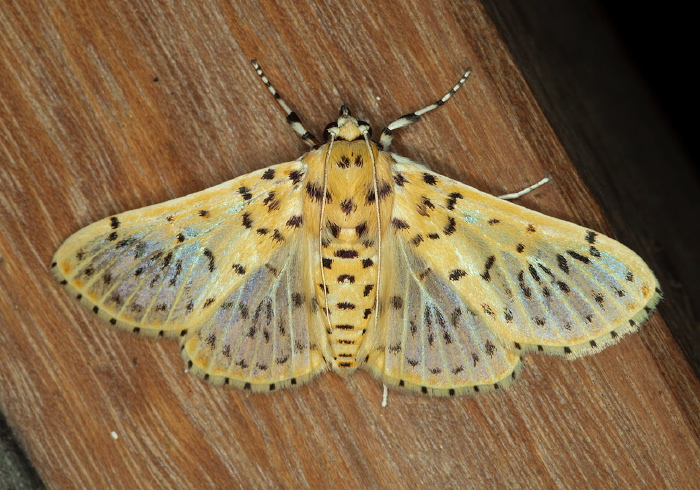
(109, 106)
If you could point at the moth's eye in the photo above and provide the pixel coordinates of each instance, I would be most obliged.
(327, 131)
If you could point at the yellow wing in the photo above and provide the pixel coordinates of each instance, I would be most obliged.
(192, 267)
(266, 334)
(515, 280)
(430, 339)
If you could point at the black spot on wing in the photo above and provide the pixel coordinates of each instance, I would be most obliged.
(297, 300)
(243, 311)
(295, 176)
(178, 271)
(452, 200)
(578, 256)
(429, 179)
(277, 236)
(457, 274)
(245, 193)
(399, 224)
(247, 222)
(527, 292)
(209, 255)
(486, 276)
(271, 201)
(399, 179)
(383, 188)
(508, 317)
(168, 258)
(314, 191)
(295, 221)
(562, 263)
(425, 206)
(127, 242)
(139, 249)
(450, 227)
(533, 273)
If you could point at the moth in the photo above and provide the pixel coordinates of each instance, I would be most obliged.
(355, 257)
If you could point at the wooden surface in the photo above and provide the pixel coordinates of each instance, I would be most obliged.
(109, 108)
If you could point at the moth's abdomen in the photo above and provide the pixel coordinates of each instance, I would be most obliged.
(351, 274)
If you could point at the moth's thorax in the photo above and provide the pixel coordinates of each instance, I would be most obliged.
(349, 236)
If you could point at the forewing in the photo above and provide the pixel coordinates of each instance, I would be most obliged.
(537, 282)
(167, 268)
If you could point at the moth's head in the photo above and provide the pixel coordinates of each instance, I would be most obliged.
(347, 128)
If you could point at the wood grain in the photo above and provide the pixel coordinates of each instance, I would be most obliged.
(111, 106)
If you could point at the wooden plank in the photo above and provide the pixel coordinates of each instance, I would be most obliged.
(621, 145)
(110, 107)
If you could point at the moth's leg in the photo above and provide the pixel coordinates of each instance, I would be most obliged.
(405, 120)
(521, 193)
(292, 118)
